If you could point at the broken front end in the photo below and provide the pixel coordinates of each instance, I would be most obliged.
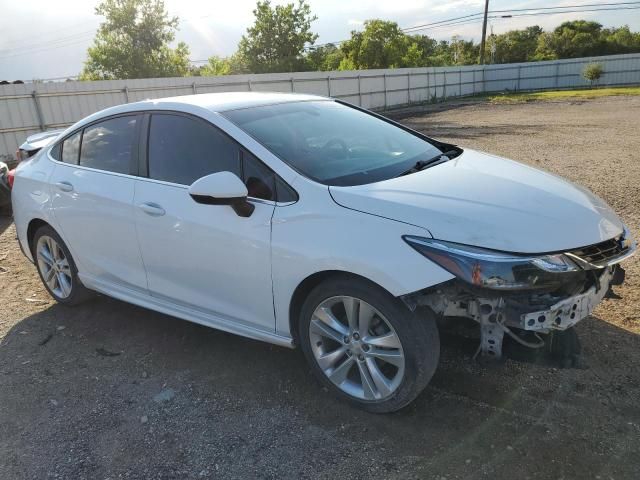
(522, 296)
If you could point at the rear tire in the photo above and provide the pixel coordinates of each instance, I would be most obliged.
(56, 268)
(379, 356)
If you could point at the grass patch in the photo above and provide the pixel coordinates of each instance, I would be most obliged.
(583, 94)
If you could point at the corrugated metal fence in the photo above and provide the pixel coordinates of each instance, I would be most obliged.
(29, 108)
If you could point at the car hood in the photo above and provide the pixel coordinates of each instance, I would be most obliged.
(491, 202)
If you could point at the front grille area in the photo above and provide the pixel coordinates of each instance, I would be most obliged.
(602, 253)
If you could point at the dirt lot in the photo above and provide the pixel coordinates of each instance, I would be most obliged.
(109, 390)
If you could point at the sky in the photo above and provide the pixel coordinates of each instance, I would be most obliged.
(44, 39)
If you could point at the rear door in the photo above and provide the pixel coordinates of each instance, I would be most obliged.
(204, 257)
(92, 198)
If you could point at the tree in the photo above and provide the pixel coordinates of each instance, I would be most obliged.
(516, 45)
(133, 42)
(592, 72)
(324, 58)
(578, 38)
(380, 45)
(232, 65)
(277, 39)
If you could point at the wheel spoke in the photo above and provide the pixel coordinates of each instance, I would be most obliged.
(64, 267)
(45, 256)
(380, 381)
(394, 357)
(328, 360)
(328, 318)
(50, 278)
(65, 284)
(388, 340)
(351, 308)
(339, 374)
(368, 385)
(365, 315)
(320, 328)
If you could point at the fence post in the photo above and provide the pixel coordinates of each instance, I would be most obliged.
(36, 101)
(473, 83)
(329, 85)
(518, 84)
(293, 87)
(460, 83)
(384, 82)
(444, 86)
(125, 90)
(195, 89)
(409, 87)
(249, 83)
(359, 91)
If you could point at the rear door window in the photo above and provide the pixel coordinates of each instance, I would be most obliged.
(71, 148)
(108, 145)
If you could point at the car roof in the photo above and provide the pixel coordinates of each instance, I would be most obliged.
(213, 102)
(224, 101)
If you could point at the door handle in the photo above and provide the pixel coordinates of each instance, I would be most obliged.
(65, 186)
(152, 209)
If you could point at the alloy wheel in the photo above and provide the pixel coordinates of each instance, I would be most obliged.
(54, 266)
(356, 347)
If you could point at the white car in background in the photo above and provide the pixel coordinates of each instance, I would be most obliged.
(302, 220)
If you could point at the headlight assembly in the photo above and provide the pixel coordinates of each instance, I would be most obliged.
(497, 270)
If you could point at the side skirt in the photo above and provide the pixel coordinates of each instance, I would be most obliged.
(185, 313)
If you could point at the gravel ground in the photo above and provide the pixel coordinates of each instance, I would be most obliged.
(109, 390)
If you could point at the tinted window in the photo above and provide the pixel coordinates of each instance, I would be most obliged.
(333, 143)
(108, 145)
(70, 149)
(284, 192)
(56, 151)
(258, 178)
(183, 149)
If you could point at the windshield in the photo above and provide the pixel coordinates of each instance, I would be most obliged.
(332, 143)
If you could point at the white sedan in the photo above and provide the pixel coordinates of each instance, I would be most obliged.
(302, 220)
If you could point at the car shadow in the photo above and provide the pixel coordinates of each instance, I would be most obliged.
(105, 365)
(5, 222)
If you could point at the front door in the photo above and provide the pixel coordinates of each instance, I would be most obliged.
(202, 256)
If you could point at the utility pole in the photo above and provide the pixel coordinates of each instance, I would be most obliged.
(484, 31)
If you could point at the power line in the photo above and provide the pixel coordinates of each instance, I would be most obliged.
(559, 13)
(477, 17)
(38, 45)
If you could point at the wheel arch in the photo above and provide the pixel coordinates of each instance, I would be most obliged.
(308, 284)
(32, 228)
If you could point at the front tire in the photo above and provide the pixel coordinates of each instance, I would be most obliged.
(56, 267)
(366, 346)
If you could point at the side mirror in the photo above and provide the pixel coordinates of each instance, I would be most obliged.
(222, 188)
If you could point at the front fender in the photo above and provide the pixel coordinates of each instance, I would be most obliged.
(317, 235)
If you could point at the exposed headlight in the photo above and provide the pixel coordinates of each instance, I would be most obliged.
(494, 269)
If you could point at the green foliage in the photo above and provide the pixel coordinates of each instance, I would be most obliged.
(133, 42)
(515, 46)
(380, 45)
(592, 72)
(276, 41)
(581, 38)
(324, 58)
(232, 65)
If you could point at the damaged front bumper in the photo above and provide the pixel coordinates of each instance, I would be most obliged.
(521, 316)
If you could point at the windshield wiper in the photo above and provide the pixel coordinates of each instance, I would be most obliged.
(437, 159)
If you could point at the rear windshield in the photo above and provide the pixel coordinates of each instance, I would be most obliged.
(333, 143)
